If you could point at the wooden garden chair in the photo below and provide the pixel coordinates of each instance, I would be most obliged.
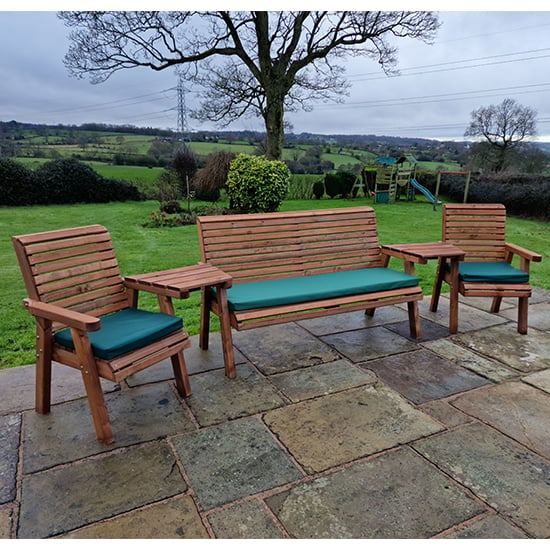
(479, 230)
(84, 319)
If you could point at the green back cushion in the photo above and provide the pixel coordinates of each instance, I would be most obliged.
(125, 331)
(491, 272)
(296, 290)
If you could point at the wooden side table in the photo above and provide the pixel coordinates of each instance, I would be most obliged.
(421, 253)
(178, 283)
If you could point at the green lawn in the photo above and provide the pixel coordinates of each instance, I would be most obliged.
(140, 250)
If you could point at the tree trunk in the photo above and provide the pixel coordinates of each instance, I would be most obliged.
(274, 126)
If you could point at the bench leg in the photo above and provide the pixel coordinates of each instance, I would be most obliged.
(495, 306)
(414, 320)
(370, 312)
(180, 374)
(227, 338)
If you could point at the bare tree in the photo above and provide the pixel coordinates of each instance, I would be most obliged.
(504, 128)
(260, 63)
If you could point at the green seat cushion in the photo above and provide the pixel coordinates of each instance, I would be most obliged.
(296, 290)
(491, 272)
(125, 331)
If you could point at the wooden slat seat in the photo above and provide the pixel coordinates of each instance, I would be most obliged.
(480, 231)
(74, 285)
(286, 248)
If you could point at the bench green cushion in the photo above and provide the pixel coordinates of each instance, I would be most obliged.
(125, 331)
(491, 272)
(295, 290)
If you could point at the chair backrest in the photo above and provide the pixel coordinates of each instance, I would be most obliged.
(72, 268)
(478, 229)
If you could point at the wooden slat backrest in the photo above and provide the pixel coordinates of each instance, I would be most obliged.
(478, 229)
(252, 247)
(72, 268)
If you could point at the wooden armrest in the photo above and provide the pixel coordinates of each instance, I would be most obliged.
(73, 319)
(523, 252)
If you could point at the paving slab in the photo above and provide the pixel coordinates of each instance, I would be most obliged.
(397, 495)
(6, 516)
(445, 413)
(504, 474)
(66, 385)
(10, 432)
(424, 376)
(321, 380)
(516, 409)
(371, 343)
(232, 461)
(469, 318)
(67, 433)
(539, 316)
(338, 428)
(523, 352)
(64, 499)
(474, 362)
(246, 520)
(539, 379)
(217, 398)
(281, 348)
(353, 320)
(174, 519)
(196, 361)
(490, 527)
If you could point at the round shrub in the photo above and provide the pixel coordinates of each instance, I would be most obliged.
(255, 184)
(17, 185)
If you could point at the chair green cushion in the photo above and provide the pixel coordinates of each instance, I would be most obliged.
(491, 272)
(296, 290)
(124, 331)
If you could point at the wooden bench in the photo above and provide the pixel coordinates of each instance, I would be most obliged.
(289, 266)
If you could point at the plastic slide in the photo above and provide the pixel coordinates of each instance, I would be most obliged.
(424, 191)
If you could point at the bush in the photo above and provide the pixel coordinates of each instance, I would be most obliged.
(318, 189)
(17, 185)
(255, 184)
(339, 183)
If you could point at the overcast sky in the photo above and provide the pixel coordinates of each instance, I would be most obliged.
(479, 58)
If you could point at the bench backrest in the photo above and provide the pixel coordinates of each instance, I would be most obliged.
(478, 229)
(253, 247)
(73, 268)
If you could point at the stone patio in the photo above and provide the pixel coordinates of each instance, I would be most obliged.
(338, 427)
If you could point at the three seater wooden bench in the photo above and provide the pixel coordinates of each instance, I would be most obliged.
(289, 266)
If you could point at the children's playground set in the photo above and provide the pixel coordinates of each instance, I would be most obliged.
(393, 178)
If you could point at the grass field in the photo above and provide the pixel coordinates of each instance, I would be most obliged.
(140, 250)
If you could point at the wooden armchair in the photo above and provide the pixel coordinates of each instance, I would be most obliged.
(479, 230)
(84, 319)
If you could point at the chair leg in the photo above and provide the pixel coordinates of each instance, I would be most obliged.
(43, 366)
(523, 304)
(414, 320)
(227, 338)
(94, 391)
(180, 374)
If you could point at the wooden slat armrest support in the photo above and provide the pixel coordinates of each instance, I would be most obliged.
(406, 256)
(523, 252)
(73, 319)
